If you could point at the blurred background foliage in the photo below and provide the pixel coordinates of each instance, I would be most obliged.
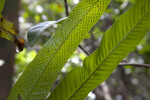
(126, 83)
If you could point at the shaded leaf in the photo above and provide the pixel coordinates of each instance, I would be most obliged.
(41, 73)
(116, 43)
(36, 30)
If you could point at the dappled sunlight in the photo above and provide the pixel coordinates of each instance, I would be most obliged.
(2, 62)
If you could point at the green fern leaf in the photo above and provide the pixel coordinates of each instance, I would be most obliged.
(116, 43)
(40, 74)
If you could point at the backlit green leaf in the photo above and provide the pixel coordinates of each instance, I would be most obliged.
(40, 74)
(116, 43)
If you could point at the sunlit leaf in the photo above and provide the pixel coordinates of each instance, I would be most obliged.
(2, 2)
(116, 43)
(10, 32)
(35, 31)
(41, 73)
(8, 26)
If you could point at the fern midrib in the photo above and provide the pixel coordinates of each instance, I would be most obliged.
(107, 57)
(59, 48)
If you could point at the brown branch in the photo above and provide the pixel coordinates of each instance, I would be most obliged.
(66, 8)
(67, 14)
(136, 65)
(87, 53)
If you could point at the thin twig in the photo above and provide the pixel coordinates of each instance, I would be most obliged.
(84, 50)
(67, 14)
(136, 65)
(66, 8)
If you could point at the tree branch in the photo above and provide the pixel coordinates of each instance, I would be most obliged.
(136, 65)
(87, 53)
(66, 8)
(67, 14)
